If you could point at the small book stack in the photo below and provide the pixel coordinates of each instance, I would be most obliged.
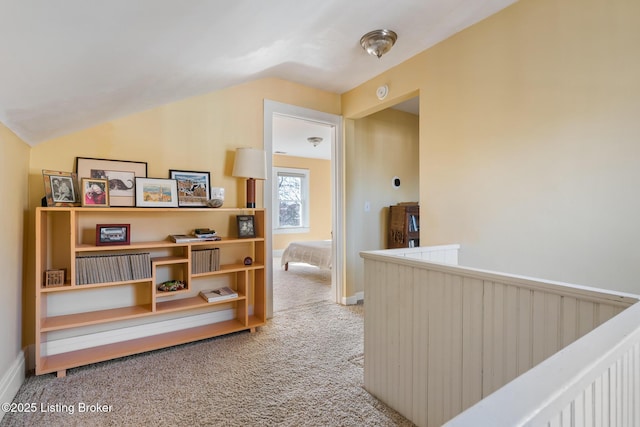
(192, 238)
(220, 294)
(205, 260)
(199, 235)
(112, 268)
(204, 233)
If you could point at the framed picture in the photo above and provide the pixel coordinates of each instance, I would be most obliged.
(156, 193)
(53, 278)
(61, 188)
(193, 188)
(121, 175)
(95, 193)
(112, 234)
(246, 226)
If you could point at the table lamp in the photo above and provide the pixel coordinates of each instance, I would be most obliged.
(250, 163)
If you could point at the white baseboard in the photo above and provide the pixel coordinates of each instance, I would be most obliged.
(353, 299)
(12, 380)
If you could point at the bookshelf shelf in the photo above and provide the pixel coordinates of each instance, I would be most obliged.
(230, 268)
(165, 260)
(59, 363)
(69, 287)
(191, 303)
(93, 317)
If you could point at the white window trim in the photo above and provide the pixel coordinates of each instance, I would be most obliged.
(305, 200)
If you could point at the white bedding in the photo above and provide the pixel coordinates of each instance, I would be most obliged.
(316, 253)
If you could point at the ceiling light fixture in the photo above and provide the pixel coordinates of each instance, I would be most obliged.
(378, 42)
(315, 140)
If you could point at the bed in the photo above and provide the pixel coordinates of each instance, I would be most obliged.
(316, 252)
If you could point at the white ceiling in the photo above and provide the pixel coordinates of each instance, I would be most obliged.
(71, 64)
(290, 138)
(290, 134)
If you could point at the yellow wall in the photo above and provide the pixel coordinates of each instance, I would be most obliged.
(14, 169)
(529, 140)
(378, 148)
(199, 133)
(320, 200)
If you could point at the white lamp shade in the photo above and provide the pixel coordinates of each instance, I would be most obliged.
(250, 163)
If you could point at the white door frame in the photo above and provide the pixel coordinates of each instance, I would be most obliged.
(272, 108)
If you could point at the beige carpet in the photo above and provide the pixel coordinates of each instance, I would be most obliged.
(304, 368)
(302, 284)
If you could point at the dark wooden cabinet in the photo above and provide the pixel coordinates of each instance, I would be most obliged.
(404, 226)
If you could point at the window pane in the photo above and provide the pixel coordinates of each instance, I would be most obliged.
(290, 187)
(290, 214)
(290, 196)
(290, 200)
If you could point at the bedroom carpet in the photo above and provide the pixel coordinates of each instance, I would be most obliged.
(304, 368)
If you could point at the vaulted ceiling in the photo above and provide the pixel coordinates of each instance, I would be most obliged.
(66, 65)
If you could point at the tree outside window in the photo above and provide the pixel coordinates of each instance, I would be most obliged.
(292, 197)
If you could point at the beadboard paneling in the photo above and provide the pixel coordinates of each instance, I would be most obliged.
(440, 338)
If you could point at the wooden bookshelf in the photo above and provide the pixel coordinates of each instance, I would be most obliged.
(73, 320)
(404, 226)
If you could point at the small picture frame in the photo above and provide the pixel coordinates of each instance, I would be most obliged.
(95, 193)
(246, 226)
(193, 188)
(113, 234)
(156, 193)
(60, 188)
(53, 278)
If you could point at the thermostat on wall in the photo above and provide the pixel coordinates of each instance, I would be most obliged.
(382, 92)
(395, 182)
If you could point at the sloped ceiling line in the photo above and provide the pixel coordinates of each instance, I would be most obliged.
(72, 64)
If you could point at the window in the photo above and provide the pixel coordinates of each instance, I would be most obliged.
(291, 199)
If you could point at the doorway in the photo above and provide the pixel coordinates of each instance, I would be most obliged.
(382, 153)
(274, 110)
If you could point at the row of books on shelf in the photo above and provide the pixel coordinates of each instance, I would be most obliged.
(219, 294)
(414, 224)
(205, 260)
(112, 268)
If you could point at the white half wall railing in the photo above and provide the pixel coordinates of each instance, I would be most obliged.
(594, 381)
(440, 338)
(446, 254)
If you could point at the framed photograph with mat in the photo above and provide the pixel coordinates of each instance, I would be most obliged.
(61, 188)
(193, 188)
(112, 234)
(156, 193)
(121, 175)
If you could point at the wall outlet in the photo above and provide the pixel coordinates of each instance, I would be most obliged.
(367, 206)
